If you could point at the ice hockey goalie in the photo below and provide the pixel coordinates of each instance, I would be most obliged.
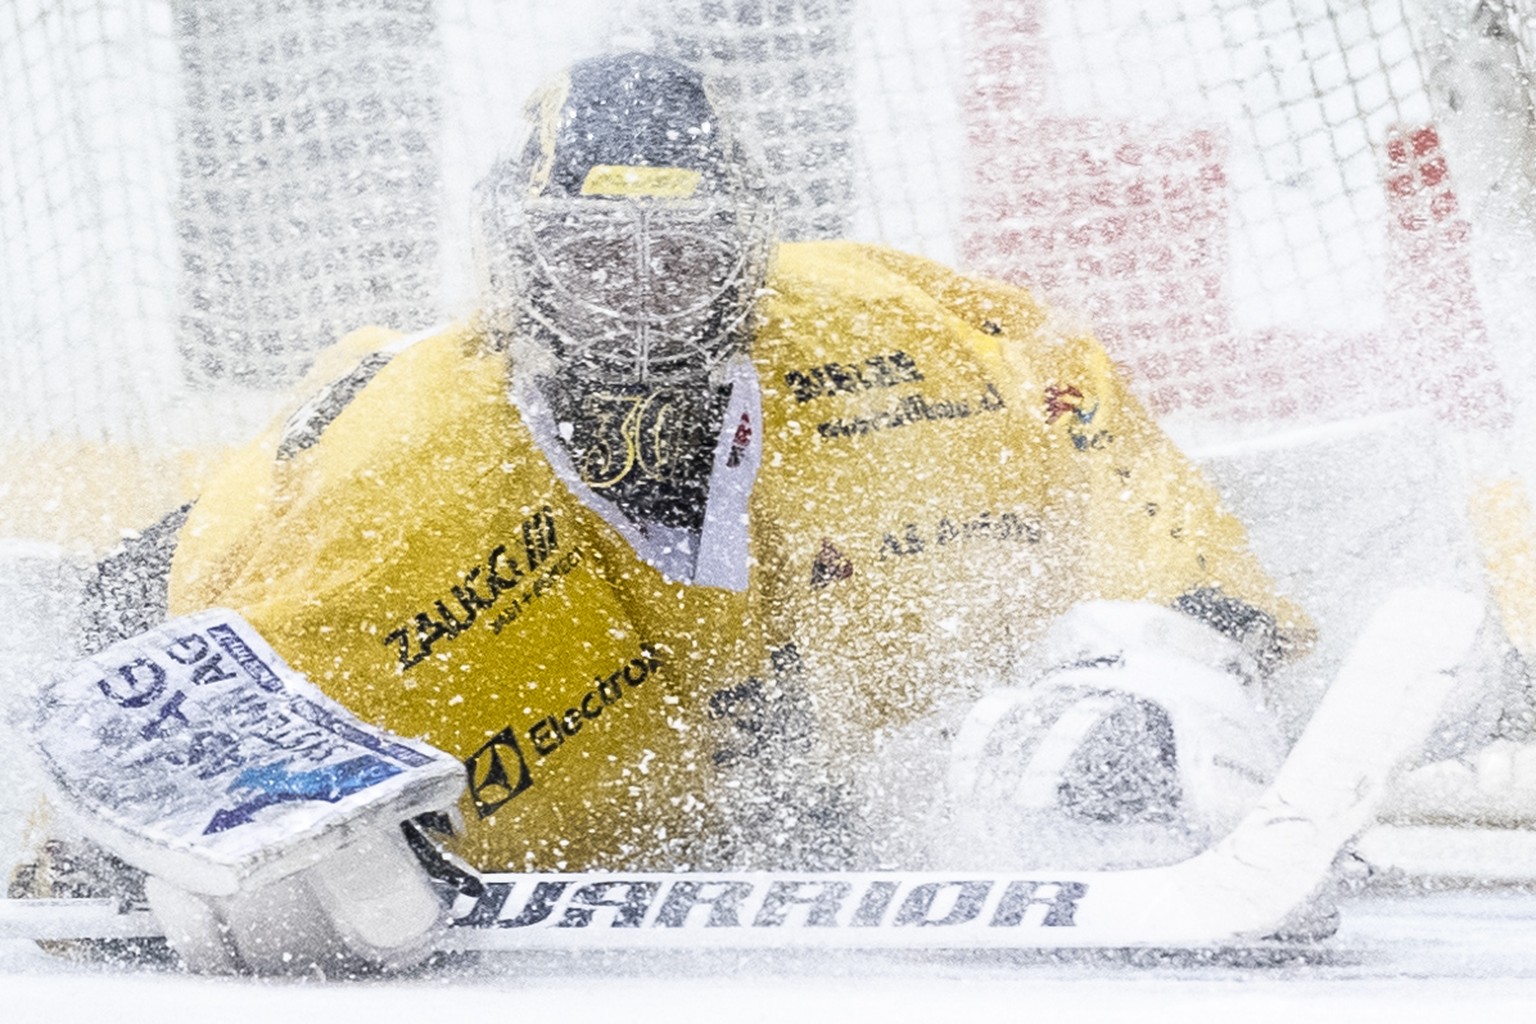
(700, 551)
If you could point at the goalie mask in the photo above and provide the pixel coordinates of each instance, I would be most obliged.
(628, 242)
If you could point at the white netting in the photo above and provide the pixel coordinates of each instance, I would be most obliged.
(786, 68)
(195, 195)
(88, 94)
(309, 189)
(1217, 185)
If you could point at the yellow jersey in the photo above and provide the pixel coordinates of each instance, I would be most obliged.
(916, 472)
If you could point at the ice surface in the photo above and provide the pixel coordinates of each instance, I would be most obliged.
(1428, 958)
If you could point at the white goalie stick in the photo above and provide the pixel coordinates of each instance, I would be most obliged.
(1376, 714)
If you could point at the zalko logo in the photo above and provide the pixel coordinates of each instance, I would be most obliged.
(505, 568)
(702, 901)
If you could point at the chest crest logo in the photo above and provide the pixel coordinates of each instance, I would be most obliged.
(830, 565)
(740, 442)
(1067, 399)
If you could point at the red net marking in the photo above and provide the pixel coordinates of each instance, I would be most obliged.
(1447, 357)
(1128, 222)
(1123, 222)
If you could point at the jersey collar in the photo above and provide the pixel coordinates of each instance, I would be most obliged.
(716, 555)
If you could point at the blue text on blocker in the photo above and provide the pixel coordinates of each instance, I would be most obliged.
(194, 747)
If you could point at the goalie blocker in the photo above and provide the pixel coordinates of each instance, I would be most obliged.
(247, 894)
(249, 797)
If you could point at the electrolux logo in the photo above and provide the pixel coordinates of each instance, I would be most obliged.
(497, 773)
(492, 778)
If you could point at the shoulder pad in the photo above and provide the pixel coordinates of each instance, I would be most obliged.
(303, 429)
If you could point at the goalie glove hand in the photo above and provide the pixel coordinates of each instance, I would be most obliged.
(1139, 742)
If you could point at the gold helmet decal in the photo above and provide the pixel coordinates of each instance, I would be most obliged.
(641, 182)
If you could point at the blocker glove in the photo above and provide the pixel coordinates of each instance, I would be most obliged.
(266, 816)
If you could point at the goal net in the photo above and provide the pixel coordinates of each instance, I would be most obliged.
(1256, 202)
(1277, 214)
